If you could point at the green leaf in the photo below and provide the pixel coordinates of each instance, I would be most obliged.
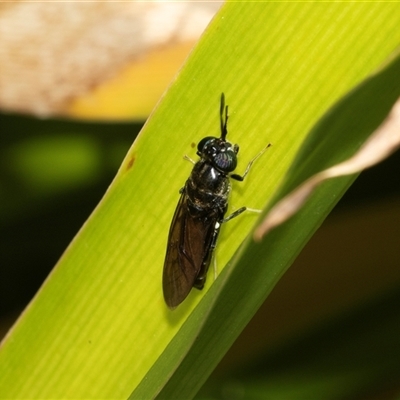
(99, 328)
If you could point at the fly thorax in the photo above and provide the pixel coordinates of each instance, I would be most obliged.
(207, 187)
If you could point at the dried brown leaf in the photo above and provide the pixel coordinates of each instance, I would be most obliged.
(383, 142)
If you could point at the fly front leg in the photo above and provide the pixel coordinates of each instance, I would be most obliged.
(249, 165)
(241, 179)
(187, 158)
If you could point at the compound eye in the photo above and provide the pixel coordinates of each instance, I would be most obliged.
(225, 161)
(203, 142)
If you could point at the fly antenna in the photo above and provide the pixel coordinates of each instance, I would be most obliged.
(223, 118)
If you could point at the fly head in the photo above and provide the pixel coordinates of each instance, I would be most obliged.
(221, 154)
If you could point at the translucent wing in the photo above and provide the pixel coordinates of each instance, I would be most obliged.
(188, 250)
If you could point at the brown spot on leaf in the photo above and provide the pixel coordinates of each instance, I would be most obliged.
(130, 163)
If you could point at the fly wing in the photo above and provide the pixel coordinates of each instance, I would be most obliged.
(188, 247)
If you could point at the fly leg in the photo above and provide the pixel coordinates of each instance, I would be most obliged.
(240, 211)
(213, 245)
(241, 179)
(187, 158)
(234, 214)
(202, 275)
(249, 165)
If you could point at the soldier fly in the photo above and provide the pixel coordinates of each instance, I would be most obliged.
(199, 214)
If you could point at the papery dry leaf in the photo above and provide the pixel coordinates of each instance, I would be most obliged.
(53, 52)
(383, 142)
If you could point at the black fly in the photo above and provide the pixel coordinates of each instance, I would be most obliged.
(200, 212)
